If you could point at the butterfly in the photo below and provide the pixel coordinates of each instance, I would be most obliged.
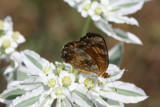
(88, 55)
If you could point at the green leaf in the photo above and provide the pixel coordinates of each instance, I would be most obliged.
(115, 54)
(34, 61)
(28, 102)
(126, 92)
(84, 98)
(111, 102)
(12, 94)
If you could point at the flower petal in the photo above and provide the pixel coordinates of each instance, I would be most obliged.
(117, 33)
(112, 103)
(33, 61)
(122, 19)
(81, 98)
(28, 99)
(10, 93)
(126, 92)
(115, 54)
(45, 100)
(125, 7)
(115, 73)
(127, 37)
(28, 84)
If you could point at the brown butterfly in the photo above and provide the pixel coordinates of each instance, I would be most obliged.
(89, 54)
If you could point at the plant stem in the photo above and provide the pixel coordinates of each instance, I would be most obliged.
(86, 26)
(15, 75)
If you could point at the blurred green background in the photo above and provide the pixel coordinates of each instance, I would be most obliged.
(48, 24)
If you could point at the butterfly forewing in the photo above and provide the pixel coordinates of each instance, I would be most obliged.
(88, 55)
(94, 45)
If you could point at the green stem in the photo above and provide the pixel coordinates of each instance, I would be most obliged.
(15, 75)
(86, 26)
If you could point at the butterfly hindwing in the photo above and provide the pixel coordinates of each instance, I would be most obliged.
(83, 62)
(78, 58)
(94, 45)
(88, 55)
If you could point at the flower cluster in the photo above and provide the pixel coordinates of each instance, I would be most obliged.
(35, 82)
(9, 39)
(47, 83)
(104, 11)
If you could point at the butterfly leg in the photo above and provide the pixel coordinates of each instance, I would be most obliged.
(97, 81)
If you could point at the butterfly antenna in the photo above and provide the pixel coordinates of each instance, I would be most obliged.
(113, 84)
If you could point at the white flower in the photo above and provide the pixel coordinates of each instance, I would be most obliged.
(16, 65)
(7, 44)
(42, 76)
(44, 85)
(104, 11)
(6, 25)
(96, 11)
(107, 89)
(84, 7)
(67, 79)
(17, 37)
(50, 80)
(9, 40)
(73, 3)
(59, 93)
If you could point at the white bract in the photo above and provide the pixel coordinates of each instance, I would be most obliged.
(43, 76)
(16, 70)
(47, 82)
(104, 11)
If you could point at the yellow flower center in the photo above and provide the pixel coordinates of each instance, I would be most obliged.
(98, 10)
(46, 69)
(59, 92)
(66, 81)
(2, 24)
(15, 35)
(88, 83)
(6, 43)
(51, 83)
(86, 6)
(59, 68)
